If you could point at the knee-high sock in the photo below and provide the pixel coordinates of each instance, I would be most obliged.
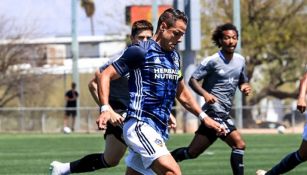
(236, 161)
(286, 164)
(88, 163)
(181, 154)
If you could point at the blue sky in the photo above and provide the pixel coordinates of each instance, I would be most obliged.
(53, 17)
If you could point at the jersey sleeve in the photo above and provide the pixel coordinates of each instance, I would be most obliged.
(132, 58)
(202, 70)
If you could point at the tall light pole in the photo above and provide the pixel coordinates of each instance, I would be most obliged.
(155, 9)
(238, 96)
(75, 55)
(189, 46)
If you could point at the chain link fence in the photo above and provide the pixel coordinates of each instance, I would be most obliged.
(50, 120)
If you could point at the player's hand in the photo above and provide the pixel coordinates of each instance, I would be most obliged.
(220, 129)
(172, 123)
(115, 118)
(102, 120)
(246, 89)
(210, 99)
(301, 105)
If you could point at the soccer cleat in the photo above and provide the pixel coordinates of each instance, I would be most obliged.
(55, 168)
(260, 172)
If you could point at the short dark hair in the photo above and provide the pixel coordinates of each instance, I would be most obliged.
(170, 16)
(73, 85)
(139, 26)
(218, 33)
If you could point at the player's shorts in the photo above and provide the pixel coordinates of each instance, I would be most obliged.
(305, 132)
(145, 145)
(117, 131)
(72, 113)
(221, 118)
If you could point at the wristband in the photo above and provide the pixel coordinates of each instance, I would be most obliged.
(104, 108)
(202, 116)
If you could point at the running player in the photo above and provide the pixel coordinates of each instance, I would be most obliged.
(115, 146)
(297, 157)
(155, 80)
(221, 73)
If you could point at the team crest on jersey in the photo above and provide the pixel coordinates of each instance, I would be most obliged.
(159, 142)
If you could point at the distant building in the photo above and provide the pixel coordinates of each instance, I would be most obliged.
(56, 56)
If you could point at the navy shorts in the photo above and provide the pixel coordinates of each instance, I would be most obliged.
(73, 113)
(221, 118)
(117, 131)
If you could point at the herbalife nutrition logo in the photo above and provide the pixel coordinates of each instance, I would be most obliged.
(162, 73)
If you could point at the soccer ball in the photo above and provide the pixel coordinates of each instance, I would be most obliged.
(66, 130)
(281, 129)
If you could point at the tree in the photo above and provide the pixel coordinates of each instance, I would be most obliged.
(273, 42)
(17, 60)
(89, 8)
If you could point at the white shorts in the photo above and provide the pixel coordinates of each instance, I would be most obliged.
(145, 145)
(305, 132)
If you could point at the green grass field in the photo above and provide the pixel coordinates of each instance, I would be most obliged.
(31, 153)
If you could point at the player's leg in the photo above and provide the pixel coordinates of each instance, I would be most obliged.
(114, 150)
(130, 171)
(73, 119)
(235, 141)
(148, 151)
(290, 161)
(166, 165)
(66, 118)
(204, 137)
(198, 145)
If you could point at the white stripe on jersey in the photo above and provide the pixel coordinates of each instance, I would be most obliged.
(138, 97)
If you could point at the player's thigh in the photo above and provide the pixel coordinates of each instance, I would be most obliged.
(130, 171)
(199, 144)
(303, 150)
(114, 149)
(235, 140)
(166, 165)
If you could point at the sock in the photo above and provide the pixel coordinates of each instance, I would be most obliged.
(88, 163)
(64, 168)
(236, 160)
(181, 154)
(286, 164)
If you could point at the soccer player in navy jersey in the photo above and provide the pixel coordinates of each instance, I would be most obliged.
(297, 157)
(221, 74)
(115, 146)
(155, 80)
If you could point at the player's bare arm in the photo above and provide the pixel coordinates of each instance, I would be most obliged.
(301, 102)
(172, 123)
(186, 99)
(92, 87)
(106, 112)
(246, 88)
(209, 98)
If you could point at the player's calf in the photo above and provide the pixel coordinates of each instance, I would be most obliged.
(181, 154)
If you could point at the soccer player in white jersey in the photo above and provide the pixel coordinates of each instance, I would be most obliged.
(115, 146)
(297, 157)
(155, 80)
(221, 73)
